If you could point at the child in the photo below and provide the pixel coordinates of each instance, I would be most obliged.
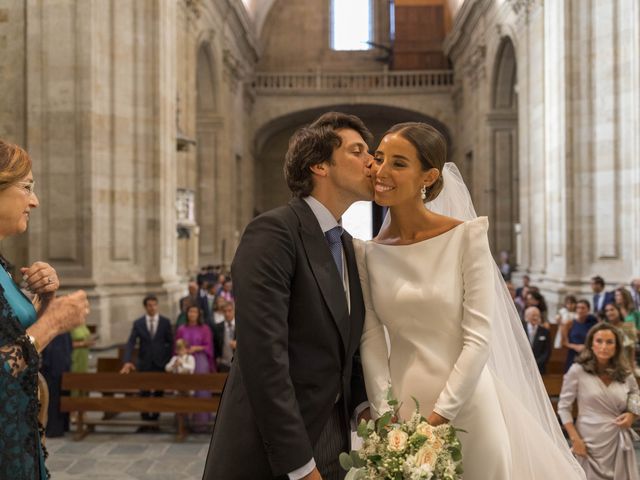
(181, 362)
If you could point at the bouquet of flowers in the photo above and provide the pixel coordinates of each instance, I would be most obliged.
(411, 450)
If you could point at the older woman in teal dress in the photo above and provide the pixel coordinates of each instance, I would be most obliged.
(26, 326)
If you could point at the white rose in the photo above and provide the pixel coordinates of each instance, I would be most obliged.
(397, 440)
(425, 429)
(426, 456)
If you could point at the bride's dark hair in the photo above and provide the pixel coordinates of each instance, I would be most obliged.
(431, 147)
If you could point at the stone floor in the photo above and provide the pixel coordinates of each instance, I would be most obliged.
(127, 456)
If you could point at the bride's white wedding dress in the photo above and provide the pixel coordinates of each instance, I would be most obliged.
(436, 299)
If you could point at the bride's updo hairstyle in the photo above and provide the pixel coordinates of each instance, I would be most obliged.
(431, 147)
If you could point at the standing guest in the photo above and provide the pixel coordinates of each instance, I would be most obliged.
(152, 333)
(218, 314)
(521, 299)
(224, 337)
(198, 335)
(574, 333)
(56, 360)
(539, 337)
(26, 328)
(624, 301)
(211, 299)
(517, 305)
(600, 297)
(565, 315)
(535, 299)
(182, 361)
(82, 341)
(614, 317)
(608, 403)
(185, 303)
(227, 291)
(197, 298)
(526, 281)
(635, 292)
(505, 266)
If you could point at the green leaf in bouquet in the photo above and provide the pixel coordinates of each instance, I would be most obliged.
(345, 461)
(415, 400)
(358, 462)
(392, 403)
(456, 454)
(376, 459)
(384, 421)
(354, 474)
(363, 429)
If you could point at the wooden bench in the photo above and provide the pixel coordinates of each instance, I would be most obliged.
(106, 394)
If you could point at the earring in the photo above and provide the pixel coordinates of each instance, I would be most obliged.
(423, 192)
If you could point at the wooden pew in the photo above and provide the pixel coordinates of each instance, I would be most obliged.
(105, 394)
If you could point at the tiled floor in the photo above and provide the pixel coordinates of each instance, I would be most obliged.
(128, 456)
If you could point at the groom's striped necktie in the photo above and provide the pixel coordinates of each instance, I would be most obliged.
(334, 238)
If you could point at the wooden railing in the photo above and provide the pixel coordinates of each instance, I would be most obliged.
(390, 81)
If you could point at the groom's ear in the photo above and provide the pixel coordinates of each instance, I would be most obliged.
(319, 169)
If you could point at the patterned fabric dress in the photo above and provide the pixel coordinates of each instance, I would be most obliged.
(21, 453)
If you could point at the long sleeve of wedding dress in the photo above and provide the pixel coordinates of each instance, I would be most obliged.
(477, 308)
(373, 344)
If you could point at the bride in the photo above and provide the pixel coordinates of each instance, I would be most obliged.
(456, 342)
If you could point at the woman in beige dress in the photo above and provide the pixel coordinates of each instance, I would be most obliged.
(608, 403)
(456, 342)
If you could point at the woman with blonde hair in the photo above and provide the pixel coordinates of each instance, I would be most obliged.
(26, 326)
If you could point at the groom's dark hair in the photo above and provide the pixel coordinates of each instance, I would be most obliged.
(314, 144)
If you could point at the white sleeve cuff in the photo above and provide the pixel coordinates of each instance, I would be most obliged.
(303, 471)
(354, 419)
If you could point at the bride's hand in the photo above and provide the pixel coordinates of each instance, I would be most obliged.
(434, 419)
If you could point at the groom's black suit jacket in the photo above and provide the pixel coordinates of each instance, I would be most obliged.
(297, 347)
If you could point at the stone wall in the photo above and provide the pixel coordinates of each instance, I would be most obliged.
(577, 108)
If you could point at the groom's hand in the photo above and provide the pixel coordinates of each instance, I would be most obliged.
(314, 475)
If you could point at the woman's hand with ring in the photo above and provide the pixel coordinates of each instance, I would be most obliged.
(41, 278)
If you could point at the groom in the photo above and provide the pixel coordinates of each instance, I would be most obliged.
(296, 378)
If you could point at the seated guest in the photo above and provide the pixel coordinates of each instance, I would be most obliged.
(608, 404)
(182, 361)
(614, 317)
(539, 337)
(574, 333)
(600, 297)
(566, 314)
(624, 301)
(154, 338)
(224, 336)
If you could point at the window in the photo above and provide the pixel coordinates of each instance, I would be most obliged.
(351, 24)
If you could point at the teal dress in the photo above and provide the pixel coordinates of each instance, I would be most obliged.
(21, 453)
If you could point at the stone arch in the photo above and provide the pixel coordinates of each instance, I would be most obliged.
(271, 141)
(503, 140)
(208, 138)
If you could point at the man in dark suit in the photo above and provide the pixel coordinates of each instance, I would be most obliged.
(296, 378)
(224, 338)
(152, 333)
(539, 337)
(600, 297)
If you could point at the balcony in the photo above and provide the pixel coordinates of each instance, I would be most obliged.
(382, 82)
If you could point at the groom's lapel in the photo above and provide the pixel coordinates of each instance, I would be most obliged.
(323, 267)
